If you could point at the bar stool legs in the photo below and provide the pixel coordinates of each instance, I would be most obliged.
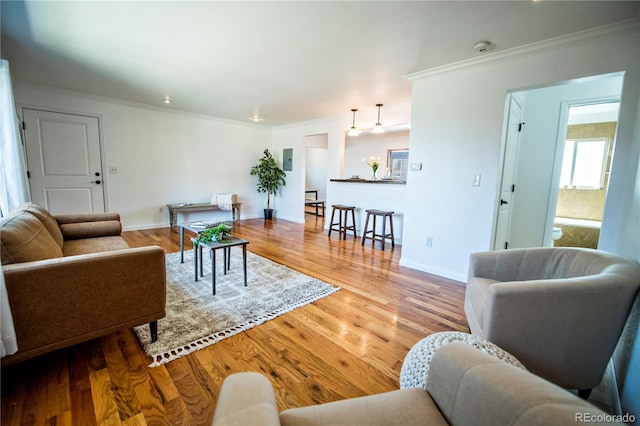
(342, 224)
(384, 235)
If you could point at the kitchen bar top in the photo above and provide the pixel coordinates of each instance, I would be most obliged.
(383, 181)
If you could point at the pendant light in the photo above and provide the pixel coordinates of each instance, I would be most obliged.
(378, 127)
(353, 131)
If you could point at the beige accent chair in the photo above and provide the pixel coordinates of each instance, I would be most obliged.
(73, 278)
(465, 387)
(559, 311)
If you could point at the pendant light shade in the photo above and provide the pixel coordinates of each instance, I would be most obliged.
(378, 127)
(353, 131)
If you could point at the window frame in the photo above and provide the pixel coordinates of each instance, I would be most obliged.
(603, 167)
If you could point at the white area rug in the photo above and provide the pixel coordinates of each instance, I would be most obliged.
(196, 319)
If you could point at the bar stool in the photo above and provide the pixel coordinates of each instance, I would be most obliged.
(342, 227)
(378, 237)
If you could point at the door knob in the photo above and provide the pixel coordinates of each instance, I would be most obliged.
(96, 181)
(97, 173)
(503, 202)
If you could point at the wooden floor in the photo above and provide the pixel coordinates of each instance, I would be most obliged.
(349, 344)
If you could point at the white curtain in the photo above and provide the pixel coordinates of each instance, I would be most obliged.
(14, 187)
(14, 190)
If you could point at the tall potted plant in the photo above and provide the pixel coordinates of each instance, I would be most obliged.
(270, 179)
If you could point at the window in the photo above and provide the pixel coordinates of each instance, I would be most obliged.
(398, 163)
(584, 163)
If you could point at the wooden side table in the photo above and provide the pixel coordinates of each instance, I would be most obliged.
(174, 209)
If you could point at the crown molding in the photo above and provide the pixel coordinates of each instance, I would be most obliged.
(98, 98)
(600, 33)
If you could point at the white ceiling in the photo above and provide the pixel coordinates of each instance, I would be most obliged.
(284, 61)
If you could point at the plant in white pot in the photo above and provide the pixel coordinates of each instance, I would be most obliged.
(270, 179)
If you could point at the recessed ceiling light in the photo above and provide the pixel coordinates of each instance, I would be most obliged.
(256, 118)
(167, 100)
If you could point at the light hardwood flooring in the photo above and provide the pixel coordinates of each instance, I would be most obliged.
(349, 344)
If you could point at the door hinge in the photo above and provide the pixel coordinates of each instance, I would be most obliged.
(506, 245)
(24, 126)
(520, 125)
(28, 175)
(513, 188)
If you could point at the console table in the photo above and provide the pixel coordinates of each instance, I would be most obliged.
(174, 209)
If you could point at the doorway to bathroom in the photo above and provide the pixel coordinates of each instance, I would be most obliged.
(539, 152)
(584, 175)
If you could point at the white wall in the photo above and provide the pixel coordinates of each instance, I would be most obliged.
(457, 123)
(164, 156)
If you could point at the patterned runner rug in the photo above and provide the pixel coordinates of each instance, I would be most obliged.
(196, 319)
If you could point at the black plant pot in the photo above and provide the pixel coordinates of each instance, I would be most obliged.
(268, 213)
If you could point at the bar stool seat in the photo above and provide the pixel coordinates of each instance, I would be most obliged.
(342, 224)
(374, 235)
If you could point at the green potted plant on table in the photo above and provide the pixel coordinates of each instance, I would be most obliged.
(217, 233)
(270, 179)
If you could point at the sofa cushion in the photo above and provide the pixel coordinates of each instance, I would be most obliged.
(25, 239)
(93, 245)
(80, 230)
(47, 220)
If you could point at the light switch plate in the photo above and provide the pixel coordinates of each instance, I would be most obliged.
(416, 166)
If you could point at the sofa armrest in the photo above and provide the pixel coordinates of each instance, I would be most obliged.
(246, 399)
(89, 225)
(63, 301)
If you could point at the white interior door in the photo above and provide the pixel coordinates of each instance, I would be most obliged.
(514, 127)
(64, 161)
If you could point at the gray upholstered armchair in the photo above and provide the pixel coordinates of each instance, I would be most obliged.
(560, 311)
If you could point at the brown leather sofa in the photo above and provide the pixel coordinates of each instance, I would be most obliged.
(465, 386)
(73, 278)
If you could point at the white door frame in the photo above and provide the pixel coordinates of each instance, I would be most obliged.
(559, 154)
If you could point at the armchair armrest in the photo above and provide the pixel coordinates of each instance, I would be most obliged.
(63, 301)
(89, 225)
(246, 399)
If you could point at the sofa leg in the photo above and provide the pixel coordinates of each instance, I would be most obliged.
(153, 329)
(584, 393)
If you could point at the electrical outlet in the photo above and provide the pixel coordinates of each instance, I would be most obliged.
(429, 241)
(113, 169)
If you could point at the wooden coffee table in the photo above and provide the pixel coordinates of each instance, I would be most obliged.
(226, 249)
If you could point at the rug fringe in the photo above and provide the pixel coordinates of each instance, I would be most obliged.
(164, 358)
